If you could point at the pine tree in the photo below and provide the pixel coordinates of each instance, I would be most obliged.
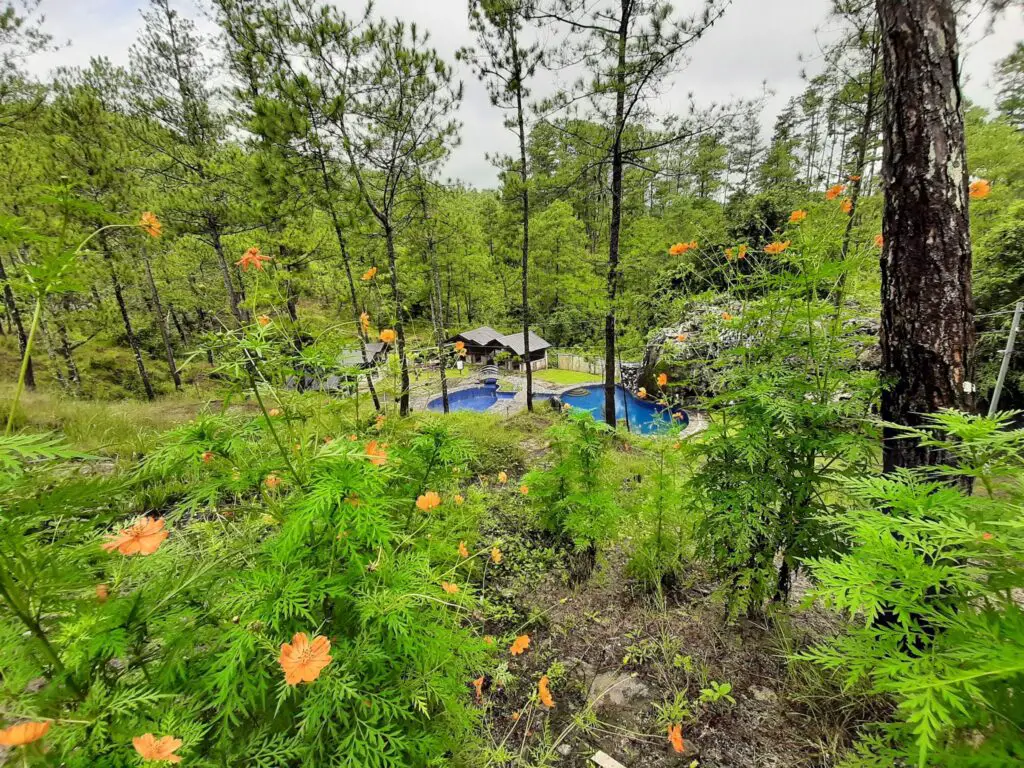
(927, 334)
(628, 48)
(504, 63)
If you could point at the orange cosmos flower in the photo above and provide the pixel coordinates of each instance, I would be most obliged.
(777, 248)
(726, 316)
(680, 248)
(641, 393)
(252, 258)
(272, 482)
(662, 379)
(980, 189)
(303, 659)
(460, 346)
(274, 413)
(463, 552)
(369, 274)
(987, 536)
(846, 206)
(520, 644)
(729, 253)
(681, 338)
(835, 191)
(150, 223)
(458, 498)
(741, 252)
(524, 489)
(478, 684)
(544, 693)
(675, 737)
(378, 456)
(496, 555)
(879, 241)
(263, 320)
(24, 733)
(353, 438)
(488, 639)
(364, 322)
(143, 537)
(157, 750)
(502, 477)
(207, 457)
(797, 216)
(428, 501)
(450, 588)
(388, 336)
(516, 716)
(854, 178)
(378, 423)
(102, 593)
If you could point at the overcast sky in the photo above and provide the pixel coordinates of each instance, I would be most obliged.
(757, 41)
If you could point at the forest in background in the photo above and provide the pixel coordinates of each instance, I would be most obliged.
(233, 151)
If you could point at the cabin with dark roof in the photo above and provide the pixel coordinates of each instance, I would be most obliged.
(483, 344)
(376, 353)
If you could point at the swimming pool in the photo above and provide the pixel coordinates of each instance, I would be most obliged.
(644, 416)
(471, 399)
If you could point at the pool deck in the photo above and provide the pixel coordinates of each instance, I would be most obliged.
(517, 404)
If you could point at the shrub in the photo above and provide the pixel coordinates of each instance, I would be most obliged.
(931, 580)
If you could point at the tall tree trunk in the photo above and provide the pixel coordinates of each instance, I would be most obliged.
(863, 138)
(927, 334)
(389, 239)
(12, 310)
(229, 284)
(356, 311)
(133, 342)
(161, 321)
(66, 350)
(177, 324)
(435, 299)
(525, 195)
(616, 221)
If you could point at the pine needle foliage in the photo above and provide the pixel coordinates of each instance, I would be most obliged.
(931, 578)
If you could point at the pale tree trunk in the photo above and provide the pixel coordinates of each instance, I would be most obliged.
(161, 321)
(389, 239)
(133, 341)
(927, 334)
(436, 314)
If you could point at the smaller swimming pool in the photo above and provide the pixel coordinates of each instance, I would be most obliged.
(471, 399)
(644, 416)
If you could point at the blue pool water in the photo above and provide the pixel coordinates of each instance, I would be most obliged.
(644, 416)
(472, 399)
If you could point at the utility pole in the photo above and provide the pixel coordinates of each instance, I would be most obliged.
(1007, 353)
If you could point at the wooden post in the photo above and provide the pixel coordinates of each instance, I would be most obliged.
(1007, 353)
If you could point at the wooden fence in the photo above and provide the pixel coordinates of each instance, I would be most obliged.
(573, 362)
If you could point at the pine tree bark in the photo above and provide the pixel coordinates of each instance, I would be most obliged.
(234, 300)
(161, 321)
(389, 239)
(12, 310)
(927, 335)
(615, 225)
(525, 195)
(133, 340)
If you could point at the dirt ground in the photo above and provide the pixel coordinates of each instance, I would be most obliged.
(614, 653)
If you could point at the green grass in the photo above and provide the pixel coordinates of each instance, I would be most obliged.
(561, 376)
